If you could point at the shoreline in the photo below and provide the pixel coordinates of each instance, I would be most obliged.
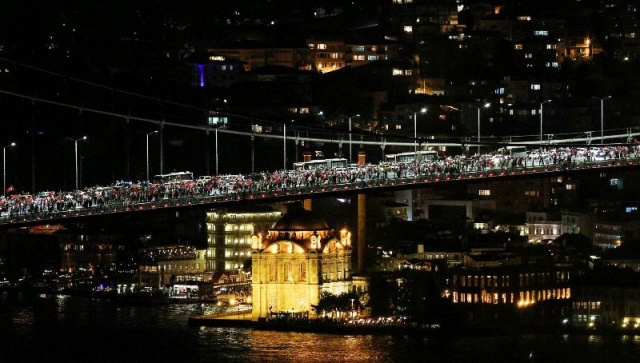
(434, 331)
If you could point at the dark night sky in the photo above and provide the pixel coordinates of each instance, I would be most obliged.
(111, 56)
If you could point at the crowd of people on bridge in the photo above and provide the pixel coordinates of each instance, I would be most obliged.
(123, 194)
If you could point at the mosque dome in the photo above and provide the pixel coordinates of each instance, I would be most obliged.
(300, 220)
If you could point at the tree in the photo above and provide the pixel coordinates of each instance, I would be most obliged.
(342, 304)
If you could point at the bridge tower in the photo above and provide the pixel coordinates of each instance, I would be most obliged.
(306, 203)
(362, 219)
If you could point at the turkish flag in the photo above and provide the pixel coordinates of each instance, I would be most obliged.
(10, 189)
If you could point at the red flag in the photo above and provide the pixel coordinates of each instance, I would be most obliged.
(10, 189)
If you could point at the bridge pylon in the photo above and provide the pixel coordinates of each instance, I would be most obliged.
(306, 203)
(362, 219)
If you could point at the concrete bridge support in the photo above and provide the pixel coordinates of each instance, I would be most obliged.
(362, 220)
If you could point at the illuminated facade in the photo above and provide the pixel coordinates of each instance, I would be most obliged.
(542, 227)
(327, 55)
(298, 259)
(256, 55)
(229, 237)
(162, 266)
(606, 307)
(358, 54)
(176, 268)
(93, 254)
(536, 293)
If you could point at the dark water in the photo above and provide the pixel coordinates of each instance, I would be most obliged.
(75, 329)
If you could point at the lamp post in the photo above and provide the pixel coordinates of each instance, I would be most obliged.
(75, 141)
(350, 154)
(216, 151)
(479, 108)
(4, 167)
(284, 145)
(602, 116)
(541, 104)
(147, 135)
(415, 128)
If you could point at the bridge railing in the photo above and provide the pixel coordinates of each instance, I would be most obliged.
(421, 179)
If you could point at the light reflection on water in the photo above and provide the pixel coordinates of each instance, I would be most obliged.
(268, 346)
(55, 328)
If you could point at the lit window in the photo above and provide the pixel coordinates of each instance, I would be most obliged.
(535, 87)
(484, 192)
(570, 187)
(518, 46)
(408, 29)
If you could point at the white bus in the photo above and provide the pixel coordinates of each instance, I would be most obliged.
(321, 164)
(517, 151)
(409, 157)
(174, 177)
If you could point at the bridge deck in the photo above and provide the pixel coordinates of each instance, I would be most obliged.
(213, 198)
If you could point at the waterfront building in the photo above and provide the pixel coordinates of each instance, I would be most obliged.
(508, 288)
(607, 298)
(89, 254)
(176, 267)
(162, 266)
(229, 234)
(297, 260)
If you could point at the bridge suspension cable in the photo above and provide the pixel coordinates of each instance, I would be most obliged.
(375, 139)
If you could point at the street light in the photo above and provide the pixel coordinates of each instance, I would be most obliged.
(75, 141)
(4, 167)
(479, 108)
(147, 135)
(602, 116)
(350, 154)
(541, 103)
(415, 128)
(284, 145)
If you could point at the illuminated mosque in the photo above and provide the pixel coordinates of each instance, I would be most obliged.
(297, 260)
